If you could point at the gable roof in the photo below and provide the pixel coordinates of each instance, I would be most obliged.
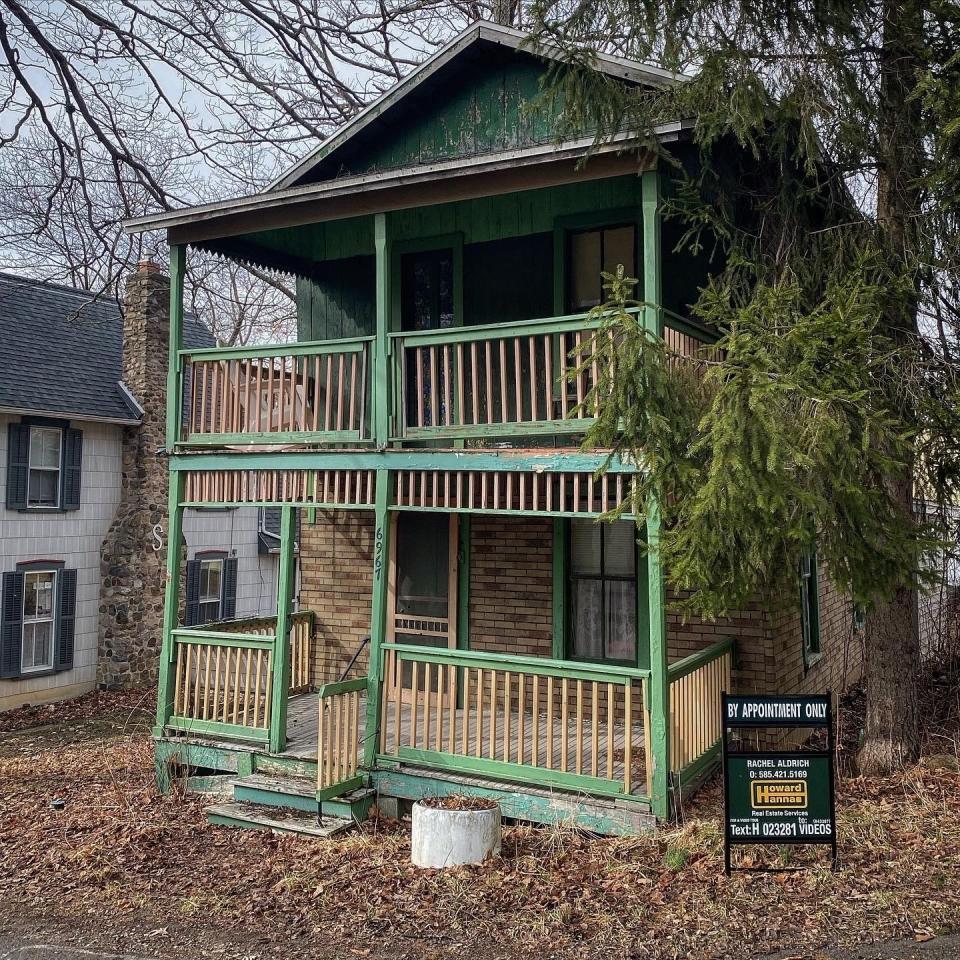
(480, 34)
(63, 352)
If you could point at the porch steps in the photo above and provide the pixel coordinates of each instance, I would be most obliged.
(300, 794)
(258, 817)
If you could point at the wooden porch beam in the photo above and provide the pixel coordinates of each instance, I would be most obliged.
(281, 652)
(171, 602)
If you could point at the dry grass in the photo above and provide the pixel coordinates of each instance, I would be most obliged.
(119, 851)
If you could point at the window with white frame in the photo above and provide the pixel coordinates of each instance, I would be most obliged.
(39, 604)
(211, 587)
(43, 488)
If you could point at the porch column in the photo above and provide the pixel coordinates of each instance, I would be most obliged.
(381, 373)
(171, 601)
(281, 654)
(378, 612)
(659, 705)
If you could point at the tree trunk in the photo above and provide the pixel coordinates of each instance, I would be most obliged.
(892, 655)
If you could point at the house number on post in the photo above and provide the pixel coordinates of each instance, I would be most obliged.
(779, 797)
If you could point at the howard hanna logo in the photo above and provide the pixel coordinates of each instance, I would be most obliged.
(778, 794)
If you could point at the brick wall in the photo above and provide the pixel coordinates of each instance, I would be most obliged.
(336, 582)
(511, 585)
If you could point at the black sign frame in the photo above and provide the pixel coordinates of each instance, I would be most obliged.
(788, 711)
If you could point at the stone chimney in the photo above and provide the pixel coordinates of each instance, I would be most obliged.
(132, 566)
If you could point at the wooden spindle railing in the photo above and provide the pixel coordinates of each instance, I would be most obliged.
(339, 735)
(485, 381)
(574, 726)
(304, 391)
(696, 685)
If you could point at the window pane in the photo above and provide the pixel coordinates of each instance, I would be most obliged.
(621, 619)
(618, 248)
(426, 292)
(584, 270)
(210, 580)
(44, 447)
(423, 559)
(38, 596)
(619, 548)
(44, 487)
(585, 547)
(587, 626)
(43, 644)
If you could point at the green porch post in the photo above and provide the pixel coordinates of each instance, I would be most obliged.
(381, 377)
(378, 612)
(281, 654)
(171, 600)
(174, 390)
(657, 621)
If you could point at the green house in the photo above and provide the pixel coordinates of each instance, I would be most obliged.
(455, 619)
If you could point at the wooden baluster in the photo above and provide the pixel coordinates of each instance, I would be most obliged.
(461, 410)
(532, 351)
(562, 378)
(550, 722)
(341, 359)
(475, 384)
(178, 682)
(578, 342)
(548, 377)
(208, 662)
(611, 728)
(595, 729)
(465, 728)
(493, 715)
(414, 701)
(488, 359)
(628, 737)
(201, 368)
(248, 658)
(214, 712)
(595, 369)
(328, 394)
(434, 392)
(197, 683)
(395, 678)
(355, 741)
(447, 387)
(238, 657)
(479, 717)
(521, 718)
(438, 725)
(235, 390)
(647, 734)
(258, 666)
(504, 410)
(507, 684)
(451, 706)
(517, 390)
(579, 752)
(535, 722)
(419, 360)
(427, 694)
(322, 780)
(564, 723)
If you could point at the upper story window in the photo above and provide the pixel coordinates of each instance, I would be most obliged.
(426, 290)
(43, 487)
(44, 465)
(603, 591)
(810, 608)
(211, 589)
(211, 585)
(592, 252)
(39, 590)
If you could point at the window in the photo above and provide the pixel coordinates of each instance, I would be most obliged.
(43, 488)
(39, 590)
(211, 589)
(810, 608)
(39, 603)
(211, 586)
(426, 290)
(603, 591)
(592, 252)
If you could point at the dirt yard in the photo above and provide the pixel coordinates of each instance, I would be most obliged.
(120, 868)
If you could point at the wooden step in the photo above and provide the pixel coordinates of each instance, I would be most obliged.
(250, 817)
(293, 793)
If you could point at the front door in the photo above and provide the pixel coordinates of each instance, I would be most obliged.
(423, 592)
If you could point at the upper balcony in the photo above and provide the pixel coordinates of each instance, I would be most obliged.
(517, 384)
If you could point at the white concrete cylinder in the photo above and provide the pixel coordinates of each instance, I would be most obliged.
(451, 838)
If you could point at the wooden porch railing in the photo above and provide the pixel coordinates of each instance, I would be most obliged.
(339, 731)
(222, 683)
(269, 394)
(485, 381)
(527, 719)
(696, 683)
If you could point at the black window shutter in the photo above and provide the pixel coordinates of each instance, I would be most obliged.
(11, 626)
(18, 465)
(228, 602)
(193, 593)
(66, 618)
(72, 469)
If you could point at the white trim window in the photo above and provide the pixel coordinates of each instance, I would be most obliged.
(43, 488)
(211, 589)
(39, 620)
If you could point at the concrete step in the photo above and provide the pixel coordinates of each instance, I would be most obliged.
(254, 817)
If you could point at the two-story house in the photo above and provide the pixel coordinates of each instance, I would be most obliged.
(69, 430)
(427, 429)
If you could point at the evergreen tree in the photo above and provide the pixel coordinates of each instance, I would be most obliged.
(826, 185)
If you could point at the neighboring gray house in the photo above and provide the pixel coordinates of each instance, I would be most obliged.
(66, 420)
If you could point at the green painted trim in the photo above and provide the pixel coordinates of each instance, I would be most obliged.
(528, 428)
(378, 614)
(698, 768)
(516, 461)
(201, 756)
(280, 503)
(659, 684)
(443, 241)
(568, 323)
(381, 385)
(290, 436)
(178, 264)
(234, 730)
(171, 599)
(628, 817)
(244, 793)
(281, 652)
(507, 662)
(643, 604)
(342, 686)
(560, 535)
(519, 773)
(303, 348)
(695, 661)
(213, 638)
(338, 789)
(493, 511)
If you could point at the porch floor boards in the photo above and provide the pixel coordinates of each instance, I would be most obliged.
(303, 723)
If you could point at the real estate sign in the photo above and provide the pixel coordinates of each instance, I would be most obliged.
(778, 796)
